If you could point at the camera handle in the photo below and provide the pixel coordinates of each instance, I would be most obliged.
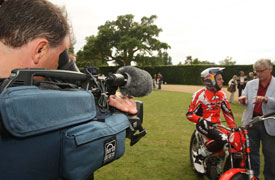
(25, 77)
(135, 124)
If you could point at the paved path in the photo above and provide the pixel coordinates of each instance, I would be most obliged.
(191, 89)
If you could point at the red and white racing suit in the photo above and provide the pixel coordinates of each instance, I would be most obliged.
(206, 104)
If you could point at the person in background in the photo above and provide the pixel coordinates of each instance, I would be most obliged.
(156, 78)
(251, 76)
(259, 99)
(232, 85)
(159, 80)
(155, 81)
(241, 82)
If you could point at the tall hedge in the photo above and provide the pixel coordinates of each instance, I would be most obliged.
(187, 74)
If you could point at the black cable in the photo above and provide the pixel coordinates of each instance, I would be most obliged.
(103, 98)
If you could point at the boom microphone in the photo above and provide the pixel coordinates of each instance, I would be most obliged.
(139, 82)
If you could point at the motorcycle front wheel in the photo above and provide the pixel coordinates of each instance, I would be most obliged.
(193, 153)
(239, 176)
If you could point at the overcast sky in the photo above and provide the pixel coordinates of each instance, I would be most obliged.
(204, 29)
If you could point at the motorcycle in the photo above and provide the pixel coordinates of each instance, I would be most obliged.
(230, 163)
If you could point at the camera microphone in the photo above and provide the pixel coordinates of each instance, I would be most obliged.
(137, 82)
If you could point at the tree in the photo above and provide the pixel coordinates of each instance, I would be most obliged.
(189, 60)
(161, 59)
(164, 58)
(125, 41)
(89, 55)
(228, 61)
(206, 62)
(196, 61)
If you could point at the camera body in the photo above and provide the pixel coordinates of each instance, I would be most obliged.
(68, 111)
(100, 87)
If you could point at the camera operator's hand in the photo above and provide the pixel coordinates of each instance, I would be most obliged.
(123, 103)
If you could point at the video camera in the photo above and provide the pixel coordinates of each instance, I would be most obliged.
(69, 76)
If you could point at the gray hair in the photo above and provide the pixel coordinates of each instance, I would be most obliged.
(263, 62)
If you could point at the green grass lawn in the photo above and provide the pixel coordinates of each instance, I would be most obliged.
(163, 154)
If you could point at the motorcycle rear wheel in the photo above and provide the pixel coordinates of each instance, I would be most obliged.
(239, 176)
(194, 149)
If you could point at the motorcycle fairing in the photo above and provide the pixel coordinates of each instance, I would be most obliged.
(230, 173)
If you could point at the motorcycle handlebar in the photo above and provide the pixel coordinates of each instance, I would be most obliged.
(269, 114)
(222, 126)
(256, 119)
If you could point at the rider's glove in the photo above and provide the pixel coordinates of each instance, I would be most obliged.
(235, 129)
(204, 123)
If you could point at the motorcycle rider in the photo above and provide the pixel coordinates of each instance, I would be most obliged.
(204, 110)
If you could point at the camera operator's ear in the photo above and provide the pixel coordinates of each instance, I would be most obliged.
(41, 46)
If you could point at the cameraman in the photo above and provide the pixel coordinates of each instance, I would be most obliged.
(33, 34)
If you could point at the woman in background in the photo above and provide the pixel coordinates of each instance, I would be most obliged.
(232, 84)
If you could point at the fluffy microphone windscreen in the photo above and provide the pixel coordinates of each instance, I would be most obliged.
(139, 82)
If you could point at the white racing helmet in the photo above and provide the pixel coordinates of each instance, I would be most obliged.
(208, 77)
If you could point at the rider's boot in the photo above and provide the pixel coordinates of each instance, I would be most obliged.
(199, 157)
(204, 151)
